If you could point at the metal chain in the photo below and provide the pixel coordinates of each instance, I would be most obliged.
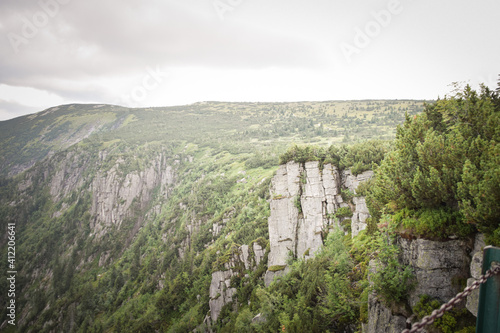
(438, 313)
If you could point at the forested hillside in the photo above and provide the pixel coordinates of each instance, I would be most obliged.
(161, 219)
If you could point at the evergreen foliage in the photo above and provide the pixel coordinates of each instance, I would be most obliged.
(358, 157)
(443, 176)
(392, 282)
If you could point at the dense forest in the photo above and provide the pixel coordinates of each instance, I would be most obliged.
(124, 215)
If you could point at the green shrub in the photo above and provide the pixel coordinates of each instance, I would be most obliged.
(446, 160)
(276, 268)
(343, 212)
(346, 224)
(302, 154)
(391, 281)
(371, 226)
(433, 223)
(297, 203)
(346, 195)
(446, 324)
(358, 157)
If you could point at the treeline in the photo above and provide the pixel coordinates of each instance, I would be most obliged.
(358, 157)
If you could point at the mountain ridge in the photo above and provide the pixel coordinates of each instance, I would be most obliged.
(29, 138)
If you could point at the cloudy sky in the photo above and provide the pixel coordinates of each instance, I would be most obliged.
(172, 52)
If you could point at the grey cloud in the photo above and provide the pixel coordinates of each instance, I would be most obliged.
(87, 44)
(103, 38)
(9, 110)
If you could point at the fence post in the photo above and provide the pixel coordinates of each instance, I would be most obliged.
(488, 315)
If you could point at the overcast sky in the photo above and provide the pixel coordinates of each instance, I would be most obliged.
(173, 52)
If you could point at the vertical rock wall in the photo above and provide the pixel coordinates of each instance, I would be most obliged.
(438, 267)
(221, 292)
(475, 272)
(284, 218)
(113, 193)
(304, 198)
(361, 213)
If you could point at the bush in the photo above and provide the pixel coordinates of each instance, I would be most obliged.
(392, 281)
(359, 157)
(433, 223)
(276, 268)
(303, 154)
(297, 203)
(343, 212)
(450, 322)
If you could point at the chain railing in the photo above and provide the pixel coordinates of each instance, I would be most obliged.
(438, 313)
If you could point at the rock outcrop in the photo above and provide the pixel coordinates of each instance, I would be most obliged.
(221, 292)
(69, 175)
(361, 213)
(438, 267)
(114, 193)
(381, 319)
(475, 271)
(304, 201)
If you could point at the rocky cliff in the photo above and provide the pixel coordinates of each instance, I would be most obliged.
(113, 190)
(439, 266)
(304, 202)
(243, 258)
(105, 191)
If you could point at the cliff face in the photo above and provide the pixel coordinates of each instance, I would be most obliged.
(113, 194)
(221, 291)
(304, 201)
(438, 266)
(113, 191)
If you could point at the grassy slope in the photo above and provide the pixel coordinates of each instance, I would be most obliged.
(28, 139)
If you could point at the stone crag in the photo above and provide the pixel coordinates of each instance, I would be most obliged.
(114, 193)
(304, 200)
(221, 292)
(438, 266)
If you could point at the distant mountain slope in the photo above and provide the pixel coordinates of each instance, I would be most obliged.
(28, 139)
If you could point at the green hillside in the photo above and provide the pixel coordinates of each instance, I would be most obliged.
(122, 215)
(28, 139)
